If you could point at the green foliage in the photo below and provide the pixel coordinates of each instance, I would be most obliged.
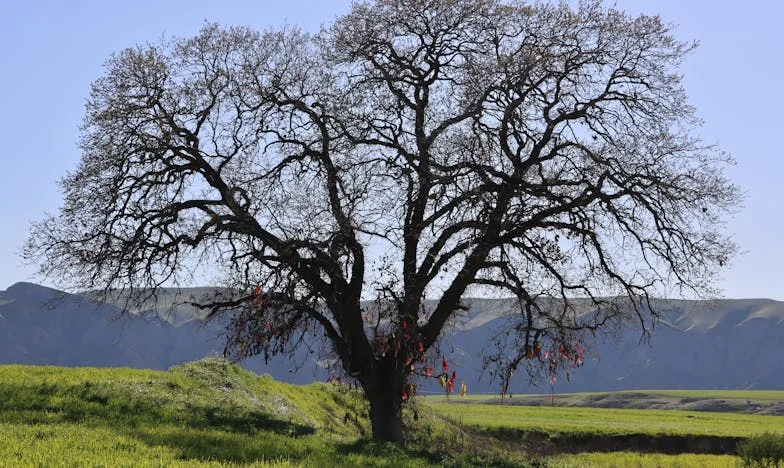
(763, 451)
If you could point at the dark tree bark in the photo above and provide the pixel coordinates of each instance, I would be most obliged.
(413, 149)
(383, 389)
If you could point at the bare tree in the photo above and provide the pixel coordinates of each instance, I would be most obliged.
(414, 148)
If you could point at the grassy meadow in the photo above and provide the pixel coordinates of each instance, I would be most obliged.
(606, 421)
(211, 413)
(743, 401)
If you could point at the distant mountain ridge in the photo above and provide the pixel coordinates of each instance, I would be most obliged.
(40, 325)
(719, 344)
(44, 326)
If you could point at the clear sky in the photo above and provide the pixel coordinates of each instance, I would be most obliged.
(50, 52)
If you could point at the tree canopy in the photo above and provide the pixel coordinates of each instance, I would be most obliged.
(412, 149)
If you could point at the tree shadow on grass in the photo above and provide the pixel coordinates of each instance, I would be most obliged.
(253, 421)
(231, 435)
(227, 447)
(24, 402)
(436, 456)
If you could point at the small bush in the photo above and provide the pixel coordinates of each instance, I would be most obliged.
(766, 450)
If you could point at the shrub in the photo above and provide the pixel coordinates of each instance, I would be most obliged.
(766, 450)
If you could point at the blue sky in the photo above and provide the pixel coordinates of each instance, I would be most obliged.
(52, 50)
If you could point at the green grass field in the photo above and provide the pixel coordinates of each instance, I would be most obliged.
(606, 421)
(635, 460)
(206, 413)
(211, 413)
(723, 400)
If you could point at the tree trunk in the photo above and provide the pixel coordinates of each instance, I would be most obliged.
(384, 392)
(386, 418)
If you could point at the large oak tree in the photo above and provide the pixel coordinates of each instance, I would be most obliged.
(412, 149)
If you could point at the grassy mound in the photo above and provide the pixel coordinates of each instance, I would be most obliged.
(206, 413)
